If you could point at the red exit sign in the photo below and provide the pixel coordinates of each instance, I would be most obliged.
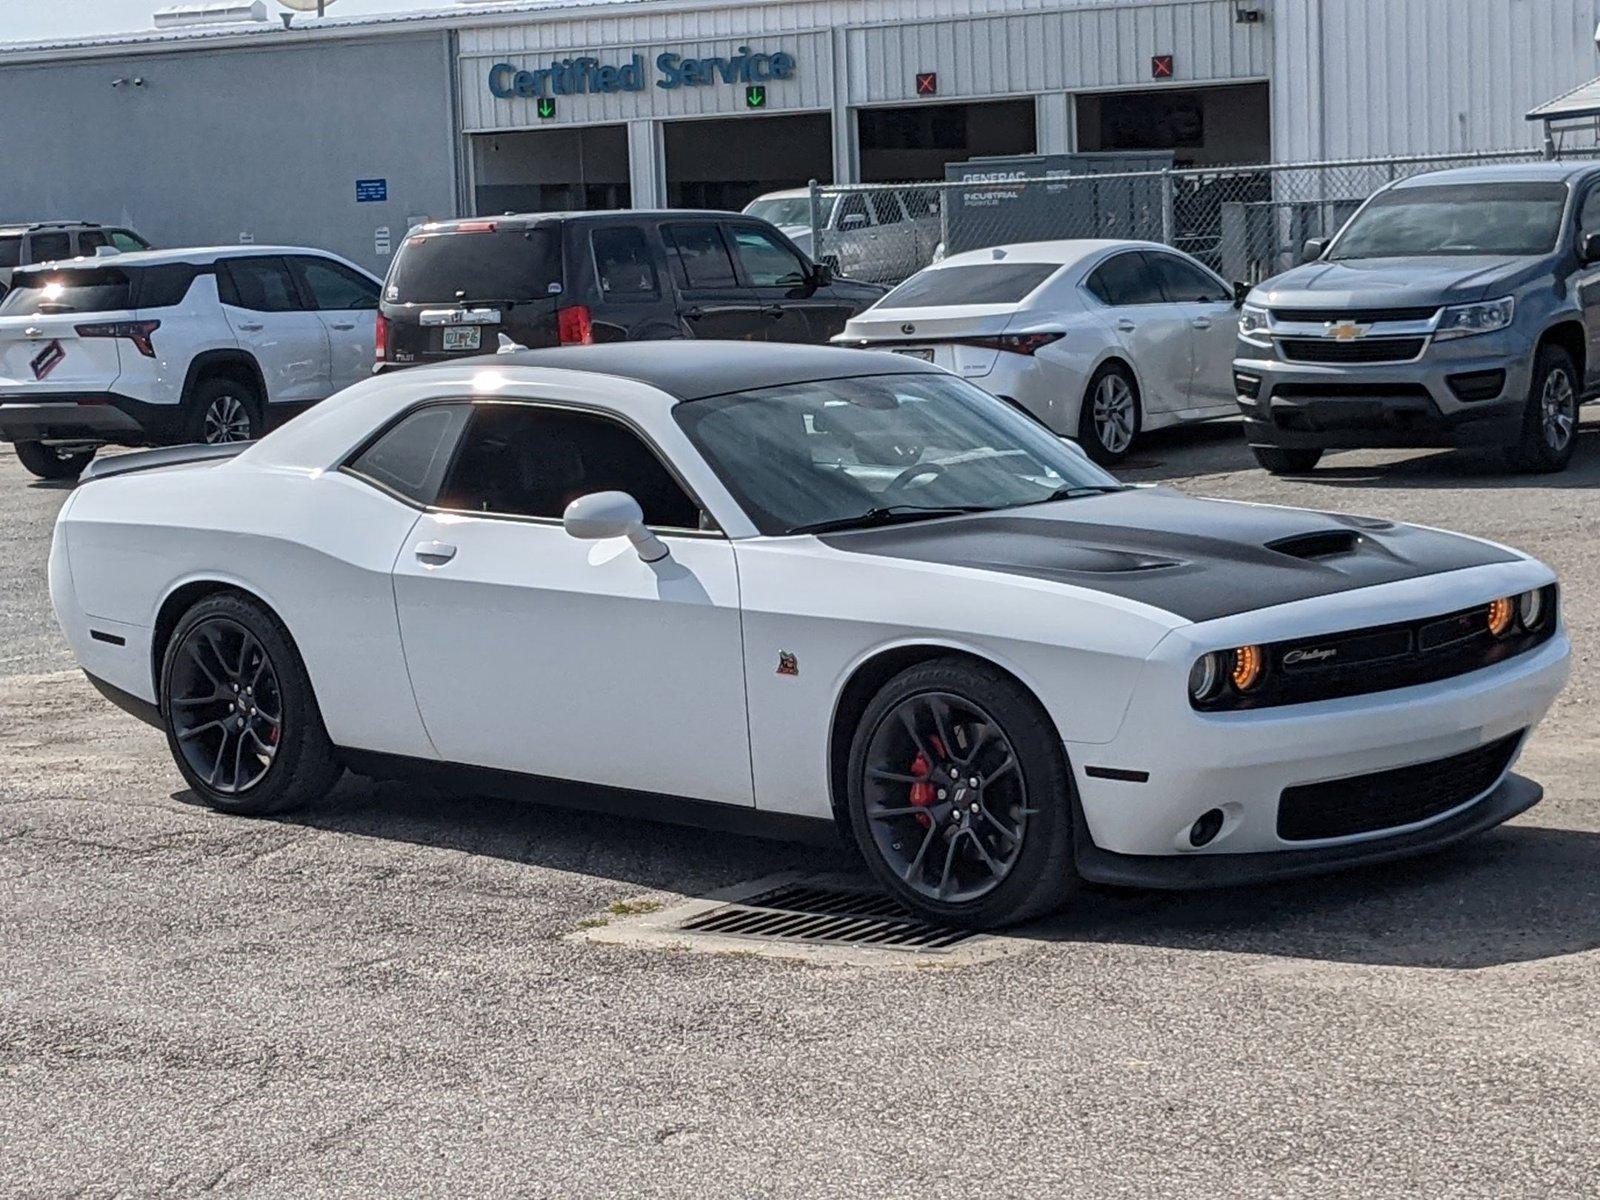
(1161, 66)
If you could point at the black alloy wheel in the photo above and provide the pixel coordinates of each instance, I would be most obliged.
(959, 799)
(242, 722)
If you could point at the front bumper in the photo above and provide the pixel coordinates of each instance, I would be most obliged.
(1299, 405)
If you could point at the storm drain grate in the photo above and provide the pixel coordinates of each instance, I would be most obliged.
(831, 916)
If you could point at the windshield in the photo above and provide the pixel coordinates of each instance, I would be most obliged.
(987, 283)
(494, 264)
(850, 451)
(1501, 218)
(793, 210)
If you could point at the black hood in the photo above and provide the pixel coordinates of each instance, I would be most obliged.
(1198, 559)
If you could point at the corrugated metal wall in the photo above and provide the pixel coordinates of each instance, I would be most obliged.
(1357, 78)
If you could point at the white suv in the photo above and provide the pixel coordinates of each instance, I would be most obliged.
(162, 346)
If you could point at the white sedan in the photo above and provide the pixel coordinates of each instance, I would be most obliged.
(1100, 340)
(807, 583)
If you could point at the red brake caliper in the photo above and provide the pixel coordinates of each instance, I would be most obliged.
(922, 794)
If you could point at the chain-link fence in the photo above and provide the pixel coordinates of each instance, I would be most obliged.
(1246, 223)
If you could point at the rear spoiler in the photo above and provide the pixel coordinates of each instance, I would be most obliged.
(168, 456)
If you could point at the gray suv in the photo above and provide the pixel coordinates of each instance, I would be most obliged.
(1460, 308)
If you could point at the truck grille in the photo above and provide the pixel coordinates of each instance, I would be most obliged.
(1364, 316)
(1391, 799)
(1366, 350)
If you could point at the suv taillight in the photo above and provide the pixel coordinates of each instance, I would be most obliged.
(574, 327)
(380, 338)
(137, 332)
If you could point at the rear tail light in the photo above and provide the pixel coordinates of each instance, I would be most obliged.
(137, 332)
(475, 227)
(574, 327)
(380, 338)
(1016, 343)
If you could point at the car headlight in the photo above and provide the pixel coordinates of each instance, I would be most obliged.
(1252, 321)
(1531, 609)
(1465, 320)
(1525, 613)
(1241, 670)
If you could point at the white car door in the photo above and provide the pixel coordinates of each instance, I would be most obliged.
(1154, 335)
(347, 302)
(1207, 303)
(534, 652)
(267, 315)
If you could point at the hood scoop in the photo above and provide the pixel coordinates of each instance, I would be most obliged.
(1324, 543)
(1097, 560)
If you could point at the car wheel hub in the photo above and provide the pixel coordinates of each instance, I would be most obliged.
(225, 706)
(1559, 410)
(1113, 414)
(227, 420)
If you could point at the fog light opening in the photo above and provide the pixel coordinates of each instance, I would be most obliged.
(1205, 830)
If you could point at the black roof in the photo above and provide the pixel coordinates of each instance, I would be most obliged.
(693, 370)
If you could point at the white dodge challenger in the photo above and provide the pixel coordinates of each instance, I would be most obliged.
(809, 583)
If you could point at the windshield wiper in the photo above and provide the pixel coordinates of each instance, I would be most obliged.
(890, 514)
(1075, 491)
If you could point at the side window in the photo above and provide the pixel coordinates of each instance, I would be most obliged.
(853, 212)
(623, 264)
(334, 286)
(701, 256)
(1125, 279)
(1589, 215)
(91, 240)
(886, 208)
(766, 261)
(261, 284)
(411, 458)
(125, 241)
(166, 284)
(47, 247)
(524, 460)
(11, 251)
(1184, 283)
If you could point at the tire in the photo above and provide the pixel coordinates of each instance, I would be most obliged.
(1278, 461)
(47, 462)
(1550, 418)
(1110, 415)
(259, 767)
(221, 410)
(1030, 801)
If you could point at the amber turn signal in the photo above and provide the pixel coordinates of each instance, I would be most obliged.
(1502, 613)
(1249, 665)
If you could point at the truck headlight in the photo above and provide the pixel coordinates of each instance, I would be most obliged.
(1252, 322)
(1464, 320)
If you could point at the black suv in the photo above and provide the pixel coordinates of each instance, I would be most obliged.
(557, 279)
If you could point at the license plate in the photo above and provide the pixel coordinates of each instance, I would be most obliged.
(465, 337)
(924, 355)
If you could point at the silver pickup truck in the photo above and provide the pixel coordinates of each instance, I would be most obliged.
(1460, 308)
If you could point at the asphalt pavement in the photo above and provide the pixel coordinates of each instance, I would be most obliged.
(379, 997)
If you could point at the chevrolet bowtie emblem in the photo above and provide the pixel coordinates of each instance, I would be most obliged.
(1345, 331)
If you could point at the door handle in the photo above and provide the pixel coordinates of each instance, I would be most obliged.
(1126, 325)
(345, 328)
(251, 326)
(1201, 322)
(434, 554)
(774, 311)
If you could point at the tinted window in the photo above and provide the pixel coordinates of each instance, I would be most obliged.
(335, 286)
(984, 283)
(623, 263)
(526, 461)
(853, 211)
(702, 256)
(1125, 279)
(766, 261)
(885, 207)
(497, 264)
(126, 241)
(821, 452)
(1500, 218)
(411, 458)
(1183, 282)
(165, 285)
(10, 251)
(1588, 219)
(259, 284)
(47, 247)
(91, 240)
(71, 290)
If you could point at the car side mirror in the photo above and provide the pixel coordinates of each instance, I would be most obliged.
(1313, 249)
(601, 515)
(821, 274)
(852, 221)
(1589, 248)
(1241, 292)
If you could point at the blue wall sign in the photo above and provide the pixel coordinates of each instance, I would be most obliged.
(369, 190)
(590, 76)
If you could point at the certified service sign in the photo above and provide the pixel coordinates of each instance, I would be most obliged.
(590, 76)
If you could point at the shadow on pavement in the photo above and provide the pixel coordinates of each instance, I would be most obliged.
(1519, 893)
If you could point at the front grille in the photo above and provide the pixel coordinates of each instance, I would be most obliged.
(802, 913)
(1391, 799)
(1361, 316)
(1381, 658)
(1362, 350)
